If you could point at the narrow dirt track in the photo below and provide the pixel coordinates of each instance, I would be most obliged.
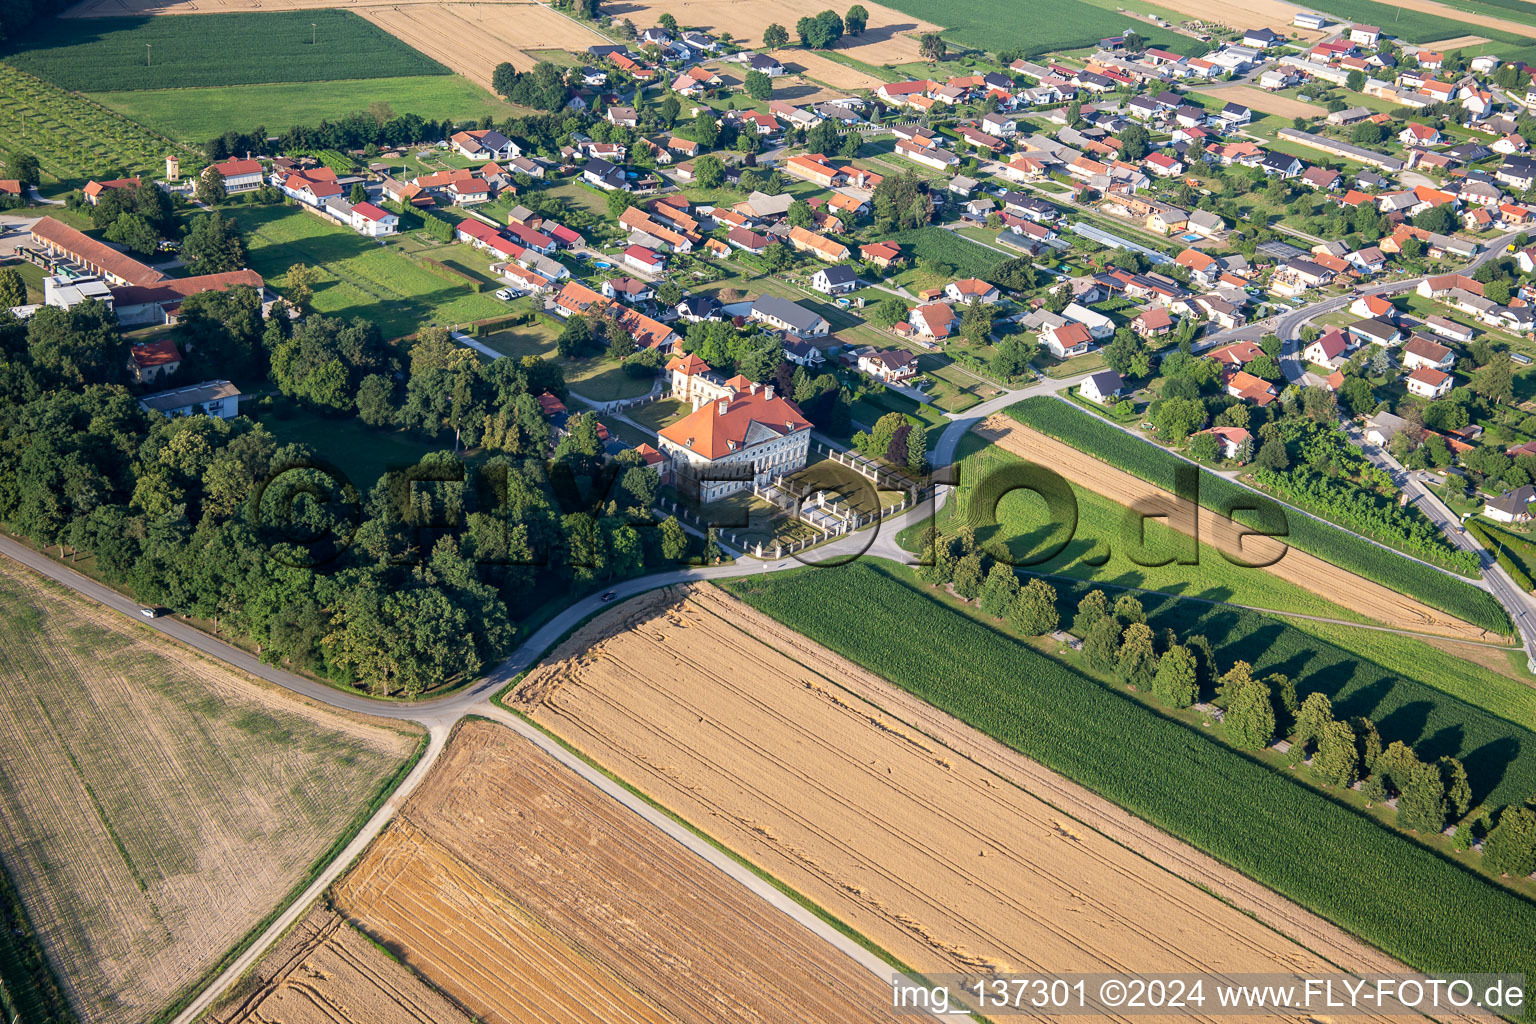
(1295, 566)
(944, 847)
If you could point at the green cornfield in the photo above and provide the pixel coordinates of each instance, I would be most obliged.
(109, 54)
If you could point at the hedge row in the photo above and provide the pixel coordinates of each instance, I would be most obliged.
(1496, 545)
(1087, 433)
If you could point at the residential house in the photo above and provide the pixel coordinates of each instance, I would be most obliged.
(1099, 326)
(217, 398)
(149, 361)
(935, 320)
(93, 189)
(367, 219)
(835, 280)
(1429, 383)
(891, 366)
(1153, 323)
(1230, 440)
(1421, 352)
(484, 145)
(1101, 386)
(788, 316)
(823, 248)
(1513, 506)
(1330, 350)
(1244, 385)
(1067, 340)
(972, 289)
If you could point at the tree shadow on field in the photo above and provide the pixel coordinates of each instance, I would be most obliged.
(1406, 723)
(1359, 702)
(1446, 741)
(1487, 765)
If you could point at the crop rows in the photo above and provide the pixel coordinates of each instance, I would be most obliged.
(72, 137)
(1389, 890)
(112, 54)
(1339, 547)
(968, 258)
(1050, 25)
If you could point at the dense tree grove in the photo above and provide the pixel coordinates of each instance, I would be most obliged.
(412, 582)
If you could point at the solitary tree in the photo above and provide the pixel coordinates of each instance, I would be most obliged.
(855, 20)
(1033, 612)
(1250, 716)
(1136, 661)
(299, 284)
(210, 188)
(932, 46)
(775, 36)
(759, 86)
(1101, 648)
(13, 290)
(1176, 684)
(359, 193)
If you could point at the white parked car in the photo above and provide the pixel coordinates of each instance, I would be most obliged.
(504, 294)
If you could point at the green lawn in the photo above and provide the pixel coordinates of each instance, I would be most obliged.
(362, 453)
(358, 277)
(202, 113)
(535, 339)
(110, 54)
(1100, 548)
(596, 377)
(658, 414)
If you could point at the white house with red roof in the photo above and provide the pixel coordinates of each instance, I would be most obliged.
(367, 219)
(1328, 350)
(742, 440)
(934, 319)
(239, 175)
(1426, 382)
(1067, 340)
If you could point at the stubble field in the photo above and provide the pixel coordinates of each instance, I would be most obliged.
(325, 972)
(1263, 100)
(943, 847)
(156, 806)
(473, 38)
(525, 894)
(1306, 571)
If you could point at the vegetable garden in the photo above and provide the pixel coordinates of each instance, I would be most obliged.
(73, 138)
(1086, 433)
(966, 257)
(1396, 894)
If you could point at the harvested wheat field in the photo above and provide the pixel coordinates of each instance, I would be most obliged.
(1275, 14)
(1460, 43)
(156, 806)
(823, 69)
(325, 972)
(947, 849)
(889, 37)
(1266, 101)
(525, 894)
(473, 38)
(1305, 570)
